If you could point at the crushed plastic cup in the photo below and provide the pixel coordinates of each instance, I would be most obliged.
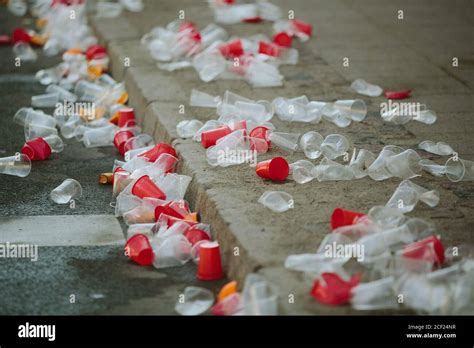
(139, 215)
(284, 141)
(230, 305)
(33, 131)
(195, 301)
(97, 137)
(340, 120)
(209, 138)
(328, 170)
(145, 187)
(334, 146)
(375, 295)
(426, 117)
(204, 100)
(63, 94)
(459, 170)
(301, 171)
(432, 167)
(355, 110)
(331, 289)
(275, 169)
(342, 217)
(139, 250)
(126, 117)
(37, 149)
(134, 164)
(407, 195)
(291, 109)
(310, 143)
(360, 162)
(131, 154)
(438, 148)
(18, 165)
(404, 165)
(48, 100)
(171, 252)
(210, 264)
(277, 201)
(378, 170)
(88, 91)
(227, 290)
(188, 128)
(363, 87)
(430, 249)
(24, 52)
(68, 190)
(153, 154)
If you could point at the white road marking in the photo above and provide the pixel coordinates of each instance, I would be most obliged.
(61, 230)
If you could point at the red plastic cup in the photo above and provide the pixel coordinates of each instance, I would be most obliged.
(256, 19)
(195, 235)
(232, 49)
(283, 39)
(302, 27)
(126, 117)
(397, 94)
(260, 132)
(210, 138)
(167, 210)
(145, 187)
(138, 249)
(95, 51)
(333, 290)
(20, 35)
(210, 264)
(121, 138)
(37, 149)
(276, 169)
(161, 148)
(269, 49)
(420, 249)
(187, 25)
(342, 217)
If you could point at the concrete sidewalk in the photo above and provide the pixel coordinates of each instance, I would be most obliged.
(413, 53)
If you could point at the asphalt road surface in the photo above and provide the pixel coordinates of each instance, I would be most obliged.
(81, 268)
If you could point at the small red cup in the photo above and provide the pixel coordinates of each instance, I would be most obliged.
(20, 35)
(167, 209)
(95, 51)
(260, 132)
(126, 117)
(342, 217)
(283, 39)
(145, 187)
(421, 250)
(138, 249)
(210, 264)
(232, 49)
(397, 94)
(210, 137)
(269, 49)
(121, 138)
(302, 27)
(195, 235)
(153, 154)
(276, 169)
(37, 149)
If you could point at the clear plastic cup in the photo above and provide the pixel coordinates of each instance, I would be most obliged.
(98, 137)
(24, 51)
(48, 100)
(459, 170)
(18, 165)
(310, 143)
(63, 93)
(404, 165)
(33, 131)
(68, 190)
(334, 146)
(204, 100)
(55, 142)
(356, 109)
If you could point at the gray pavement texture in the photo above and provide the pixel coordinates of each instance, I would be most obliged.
(100, 277)
(413, 53)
